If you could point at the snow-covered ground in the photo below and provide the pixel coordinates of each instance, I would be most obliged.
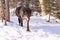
(39, 29)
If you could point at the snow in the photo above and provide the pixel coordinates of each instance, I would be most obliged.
(39, 29)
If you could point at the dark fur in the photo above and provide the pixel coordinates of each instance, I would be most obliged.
(23, 12)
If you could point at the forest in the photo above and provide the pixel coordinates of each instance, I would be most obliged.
(29, 19)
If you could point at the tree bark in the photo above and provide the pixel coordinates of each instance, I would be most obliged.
(2, 9)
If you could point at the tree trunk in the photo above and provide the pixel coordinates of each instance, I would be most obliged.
(58, 4)
(48, 18)
(43, 8)
(7, 14)
(2, 9)
(49, 10)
